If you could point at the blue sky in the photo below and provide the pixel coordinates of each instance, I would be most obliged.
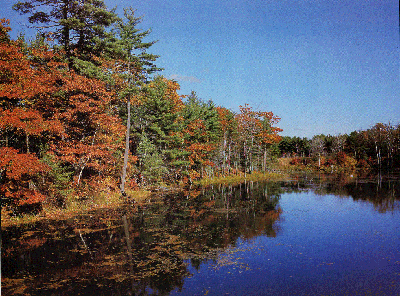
(323, 66)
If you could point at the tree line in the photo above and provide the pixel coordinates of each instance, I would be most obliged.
(377, 147)
(82, 109)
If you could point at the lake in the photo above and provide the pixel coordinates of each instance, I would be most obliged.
(308, 236)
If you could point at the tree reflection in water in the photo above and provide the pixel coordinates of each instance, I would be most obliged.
(136, 250)
(382, 191)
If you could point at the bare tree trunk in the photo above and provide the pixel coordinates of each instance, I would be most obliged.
(224, 153)
(126, 155)
(245, 158)
(229, 157)
(265, 160)
(378, 154)
(27, 143)
(80, 175)
(85, 162)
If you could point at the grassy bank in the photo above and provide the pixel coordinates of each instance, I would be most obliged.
(343, 165)
(237, 179)
(74, 206)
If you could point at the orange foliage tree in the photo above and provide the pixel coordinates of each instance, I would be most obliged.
(47, 109)
(94, 131)
(228, 126)
(256, 131)
(22, 83)
(201, 134)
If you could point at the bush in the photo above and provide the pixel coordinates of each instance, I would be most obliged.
(330, 162)
(341, 158)
(296, 161)
(363, 164)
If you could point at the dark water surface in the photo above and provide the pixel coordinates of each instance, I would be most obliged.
(305, 237)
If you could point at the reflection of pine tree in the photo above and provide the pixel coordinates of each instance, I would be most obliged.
(151, 162)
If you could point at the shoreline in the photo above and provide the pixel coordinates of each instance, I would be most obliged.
(114, 200)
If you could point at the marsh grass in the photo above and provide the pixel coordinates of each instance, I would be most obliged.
(75, 206)
(238, 179)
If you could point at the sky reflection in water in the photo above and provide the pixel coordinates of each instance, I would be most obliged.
(327, 245)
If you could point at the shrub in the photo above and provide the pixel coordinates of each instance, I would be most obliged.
(363, 164)
(330, 162)
(295, 161)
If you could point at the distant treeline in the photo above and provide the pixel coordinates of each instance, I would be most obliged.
(377, 147)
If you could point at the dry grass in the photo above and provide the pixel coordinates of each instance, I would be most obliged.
(237, 179)
(74, 206)
(284, 162)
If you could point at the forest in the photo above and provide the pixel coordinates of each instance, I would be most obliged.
(83, 110)
(376, 148)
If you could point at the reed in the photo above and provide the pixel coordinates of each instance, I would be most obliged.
(238, 179)
(74, 206)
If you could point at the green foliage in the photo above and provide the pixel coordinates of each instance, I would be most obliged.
(128, 48)
(196, 109)
(274, 151)
(79, 27)
(151, 162)
(157, 114)
(58, 180)
(202, 131)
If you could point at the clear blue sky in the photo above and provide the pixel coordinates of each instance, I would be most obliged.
(323, 66)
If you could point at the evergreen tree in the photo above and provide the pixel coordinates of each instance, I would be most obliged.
(79, 26)
(159, 111)
(151, 162)
(131, 65)
(202, 132)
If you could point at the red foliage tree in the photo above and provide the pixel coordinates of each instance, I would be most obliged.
(256, 130)
(21, 83)
(18, 175)
(93, 129)
(46, 108)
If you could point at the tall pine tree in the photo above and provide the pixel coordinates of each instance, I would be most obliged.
(79, 27)
(130, 64)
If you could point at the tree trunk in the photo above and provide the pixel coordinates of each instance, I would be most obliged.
(245, 158)
(126, 155)
(80, 175)
(224, 153)
(378, 154)
(65, 34)
(27, 143)
(265, 160)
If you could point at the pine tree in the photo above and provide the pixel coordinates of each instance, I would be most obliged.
(151, 162)
(130, 65)
(79, 27)
(202, 132)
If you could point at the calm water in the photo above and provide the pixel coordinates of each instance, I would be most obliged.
(307, 237)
